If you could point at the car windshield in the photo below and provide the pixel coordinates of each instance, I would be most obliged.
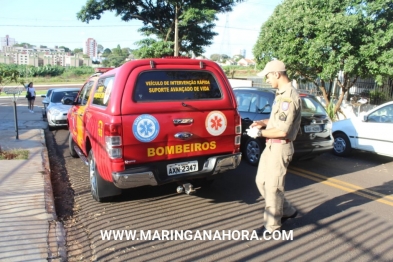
(311, 106)
(57, 96)
(48, 93)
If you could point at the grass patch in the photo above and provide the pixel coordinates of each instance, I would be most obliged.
(14, 154)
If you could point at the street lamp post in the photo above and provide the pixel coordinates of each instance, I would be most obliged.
(176, 51)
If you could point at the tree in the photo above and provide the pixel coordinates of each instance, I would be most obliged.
(115, 57)
(215, 57)
(318, 39)
(100, 48)
(78, 50)
(8, 75)
(152, 48)
(25, 45)
(195, 18)
(236, 58)
(106, 52)
(66, 49)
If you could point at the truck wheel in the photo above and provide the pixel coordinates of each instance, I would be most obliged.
(252, 151)
(101, 190)
(341, 145)
(71, 145)
(94, 177)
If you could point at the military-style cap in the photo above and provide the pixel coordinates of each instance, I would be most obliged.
(272, 66)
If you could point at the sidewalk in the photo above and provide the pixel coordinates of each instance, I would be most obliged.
(29, 230)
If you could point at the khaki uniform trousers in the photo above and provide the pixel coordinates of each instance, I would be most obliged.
(270, 181)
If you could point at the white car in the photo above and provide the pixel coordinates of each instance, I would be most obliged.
(59, 103)
(45, 100)
(373, 132)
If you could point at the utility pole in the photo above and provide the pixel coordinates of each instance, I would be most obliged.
(176, 53)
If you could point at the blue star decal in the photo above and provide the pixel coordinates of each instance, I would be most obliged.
(146, 128)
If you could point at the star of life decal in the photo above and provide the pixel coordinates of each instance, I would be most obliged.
(145, 128)
(216, 123)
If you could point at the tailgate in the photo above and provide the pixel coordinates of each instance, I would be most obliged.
(176, 114)
(175, 135)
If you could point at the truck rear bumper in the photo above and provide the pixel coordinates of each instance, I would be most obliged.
(148, 176)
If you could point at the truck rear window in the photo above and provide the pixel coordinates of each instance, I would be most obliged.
(176, 85)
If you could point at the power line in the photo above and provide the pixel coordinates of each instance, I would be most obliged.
(71, 25)
(65, 26)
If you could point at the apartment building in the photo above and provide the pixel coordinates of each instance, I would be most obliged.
(90, 48)
(7, 41)
(40, 57)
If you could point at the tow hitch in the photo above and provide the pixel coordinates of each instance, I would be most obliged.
(188, 188)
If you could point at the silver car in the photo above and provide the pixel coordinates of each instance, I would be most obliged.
(45, 100)
(59, 103)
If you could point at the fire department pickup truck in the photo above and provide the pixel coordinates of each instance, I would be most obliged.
(155, 121)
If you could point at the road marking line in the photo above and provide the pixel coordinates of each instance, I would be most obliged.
(385, 199)
(344, 183)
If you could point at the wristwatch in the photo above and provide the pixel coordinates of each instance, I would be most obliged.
(259, 132)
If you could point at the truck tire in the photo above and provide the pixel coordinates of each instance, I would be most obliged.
(71, 145)
(101, 190)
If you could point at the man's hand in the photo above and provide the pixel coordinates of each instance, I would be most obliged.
(253, 132)
(258, 124)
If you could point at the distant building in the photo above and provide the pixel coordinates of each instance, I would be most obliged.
(242, 52)
(246, 62)
(90, 48)
(7, 42)
(43, 55)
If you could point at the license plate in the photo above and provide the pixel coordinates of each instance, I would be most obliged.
(181, 168)
(312, 129)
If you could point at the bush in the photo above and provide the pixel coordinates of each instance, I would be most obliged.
(377, 97)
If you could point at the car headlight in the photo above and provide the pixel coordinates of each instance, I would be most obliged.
(54, 112)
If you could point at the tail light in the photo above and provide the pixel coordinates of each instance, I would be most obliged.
(238, 128)
(113, 141)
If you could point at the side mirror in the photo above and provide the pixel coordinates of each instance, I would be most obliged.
(364, 118)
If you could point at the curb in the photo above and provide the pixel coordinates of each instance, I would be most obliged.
(56, 235)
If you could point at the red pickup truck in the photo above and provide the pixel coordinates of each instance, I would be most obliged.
(155, 121)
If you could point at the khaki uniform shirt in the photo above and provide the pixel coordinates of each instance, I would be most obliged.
(286, 111)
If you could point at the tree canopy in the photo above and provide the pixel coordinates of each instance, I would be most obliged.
(196, 19)
(24, 45)
(66, 49)
(116, 57)
(8, 75)
(150, 47)
(317, 39)
(78, 50)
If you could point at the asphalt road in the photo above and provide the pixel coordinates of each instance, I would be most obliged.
(345, 206)
(345, 214)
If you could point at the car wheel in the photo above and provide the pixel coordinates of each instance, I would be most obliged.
(252, 151)
(71, 145)
(101, 190)
(341, 146)
(94, 176)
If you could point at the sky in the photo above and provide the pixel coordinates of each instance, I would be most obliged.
(53, 23)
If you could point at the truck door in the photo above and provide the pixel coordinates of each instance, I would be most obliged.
(78, 113)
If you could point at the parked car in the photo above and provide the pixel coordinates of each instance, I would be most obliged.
(155, 121)
(372, 132)
(45, 101)
(314, 138)
(59, 103)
